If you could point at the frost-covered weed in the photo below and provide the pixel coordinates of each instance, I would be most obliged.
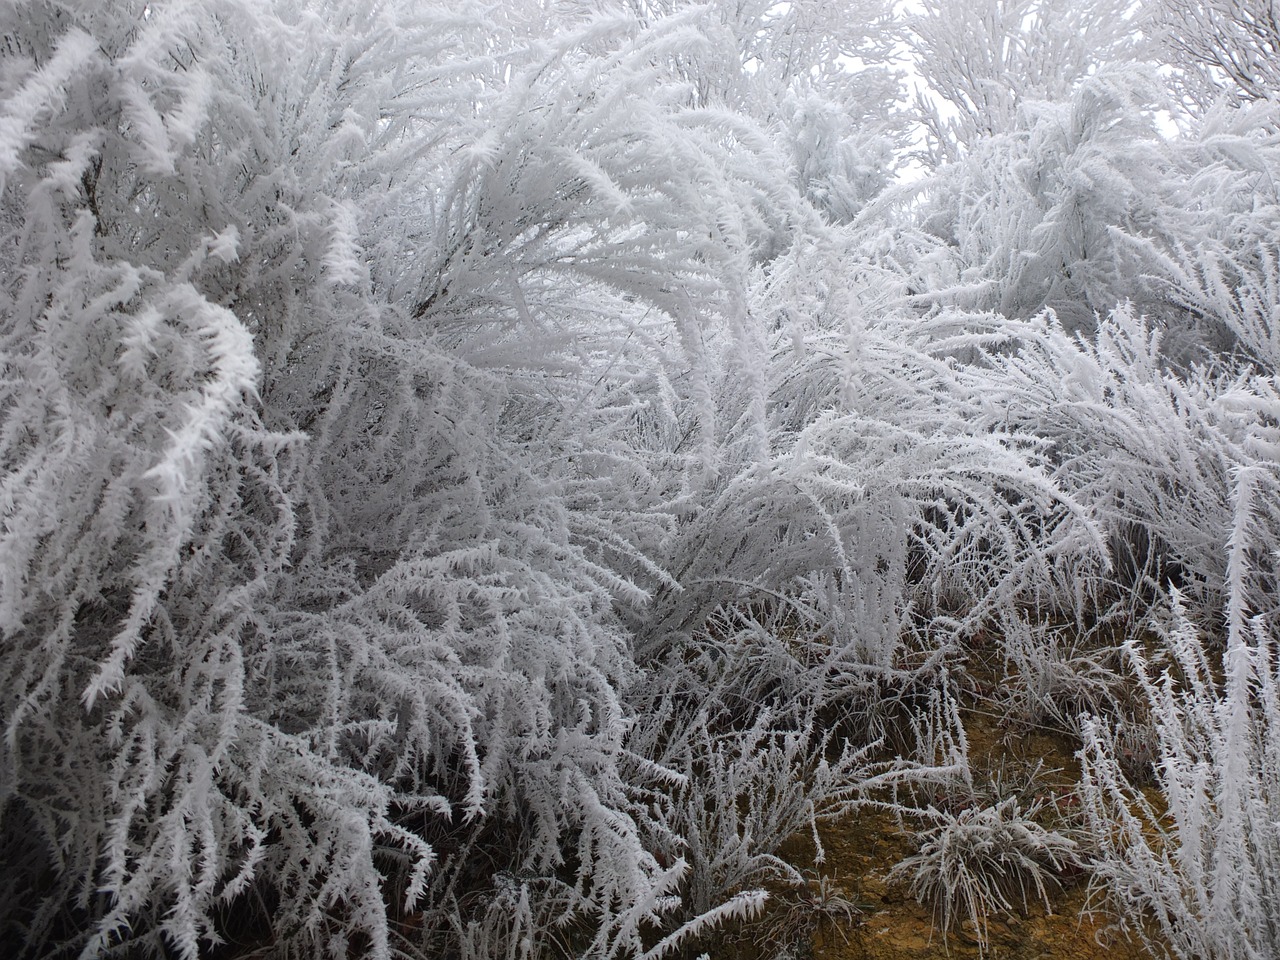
(984, 860)
(1148, 452)
(816, 903)
(1056, 672)
(1201, 864)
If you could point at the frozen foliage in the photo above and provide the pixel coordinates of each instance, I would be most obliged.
(983, 61)
(984, 860)
(1200, 867)
(352, 411)
(478, 478)
(1230, 45)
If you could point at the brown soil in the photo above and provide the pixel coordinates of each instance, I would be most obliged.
(891, 925)
(895, 926)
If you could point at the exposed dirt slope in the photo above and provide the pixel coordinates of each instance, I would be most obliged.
(891, 924)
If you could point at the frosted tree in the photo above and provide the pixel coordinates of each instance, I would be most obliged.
(1028, 219)
(983, 60)
(1224, 46)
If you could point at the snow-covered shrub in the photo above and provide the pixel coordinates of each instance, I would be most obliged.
(985, 860)
(354, 406)
(1149, 452)
(1207, 262)
(1201, 865)
(768, 783)
(290, 562)
(1055, 672)
(149, 506)
(853, 456)
(840, 165)
(1054, 188)
(1229, 291)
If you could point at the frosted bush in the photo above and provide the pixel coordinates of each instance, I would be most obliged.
(1146, 450)
(982, 861)
(457, 459)
(1057, 671)
(1201, 866)
(351, 408)
(281, 574)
